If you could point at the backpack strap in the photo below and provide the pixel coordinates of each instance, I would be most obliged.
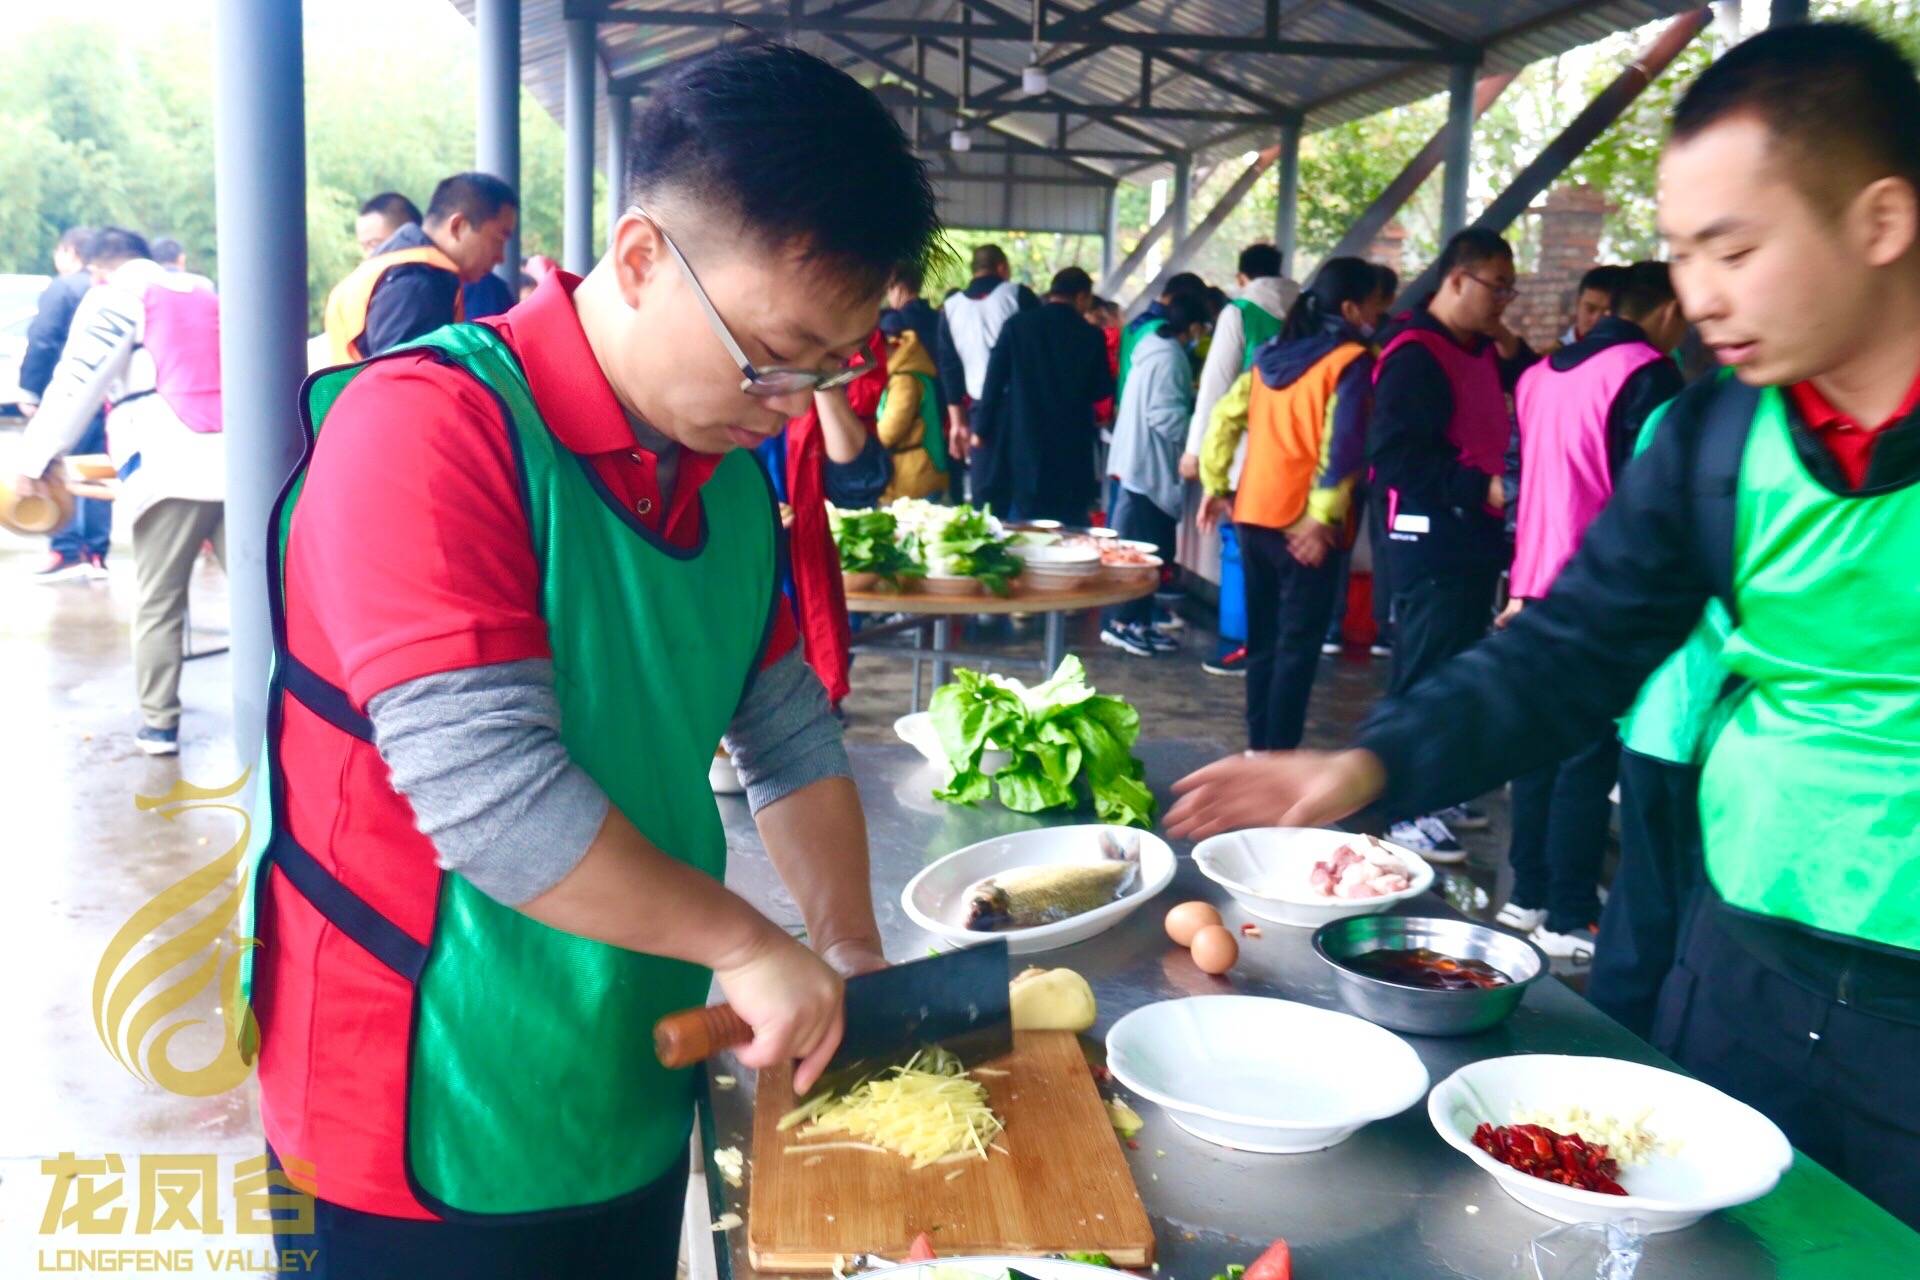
(1720, 445)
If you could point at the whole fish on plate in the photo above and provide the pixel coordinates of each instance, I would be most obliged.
(1025, 897)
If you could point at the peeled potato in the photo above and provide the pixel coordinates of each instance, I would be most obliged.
(1051, 1000)
(1214, 949)
(1188, 919)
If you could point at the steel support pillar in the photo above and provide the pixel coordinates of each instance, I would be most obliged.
(1460, 113)
(497, 105)
(260, 204)
(576, 253)
(619, 125)
(1286, 214)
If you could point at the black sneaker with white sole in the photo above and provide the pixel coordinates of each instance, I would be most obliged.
(1231, 663)
(1128, 637)
(158, 742)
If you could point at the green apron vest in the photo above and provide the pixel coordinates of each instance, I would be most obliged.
(933, 432)
(1259, 324)
(1810, 796)
(532, 1081)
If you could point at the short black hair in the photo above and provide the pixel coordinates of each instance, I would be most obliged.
(1217, 301)
(1470, 248)
(1839, 101)
(116, 244)
(910, 276)
(1644, 288)
(1185, 282)
(1607, 278)
(392, 206)
(1389, 281)
(1070, 282)
(795, 150)
(167, 249)
(1258, 261)
(74, 240)
(988, 259)
(480, 196)
(1184, 310)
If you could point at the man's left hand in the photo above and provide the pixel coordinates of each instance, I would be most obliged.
(25, 486)
(854, 956)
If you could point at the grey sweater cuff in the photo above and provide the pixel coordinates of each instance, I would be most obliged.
(477, 753)
(784, 736)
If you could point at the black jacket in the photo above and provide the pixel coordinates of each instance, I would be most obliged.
(1409, 451)
(1035, 415)
(946, 357)
(409, 300)
(47, 335)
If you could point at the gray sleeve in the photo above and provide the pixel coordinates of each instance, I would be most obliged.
(477, 753)
(783, 736)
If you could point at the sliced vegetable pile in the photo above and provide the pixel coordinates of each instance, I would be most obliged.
(869, 542)
(1059, 734)
(966, 545)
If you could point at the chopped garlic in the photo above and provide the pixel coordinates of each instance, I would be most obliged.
(724, 1082)
(1628, 1141)
(727, 1222)
(730, 1163)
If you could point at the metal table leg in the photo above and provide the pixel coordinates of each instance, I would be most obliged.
(919, 642)
(942, 641)
(1056, 643)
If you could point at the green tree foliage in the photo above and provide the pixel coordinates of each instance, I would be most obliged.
(99, 125)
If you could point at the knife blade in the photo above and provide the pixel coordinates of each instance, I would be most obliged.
(955, 1001)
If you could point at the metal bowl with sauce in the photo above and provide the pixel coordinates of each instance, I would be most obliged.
(1424, 1010)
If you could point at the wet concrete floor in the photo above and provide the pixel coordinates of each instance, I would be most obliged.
(80, 858)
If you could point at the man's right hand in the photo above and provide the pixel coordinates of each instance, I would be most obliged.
(1189, 466)
(1497, 493)
(793, 1001)
(1214, 508)
(1274, 789)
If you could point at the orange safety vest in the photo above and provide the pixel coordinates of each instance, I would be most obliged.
(1286, 430)
(347, 305)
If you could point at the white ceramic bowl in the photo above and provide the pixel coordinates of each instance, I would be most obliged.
(1728, 1153)
(936, 899)
(993, 1268)
(917, 731)
(1267, 871)
(1058, 559)
(946, 585)
(1264, 1075)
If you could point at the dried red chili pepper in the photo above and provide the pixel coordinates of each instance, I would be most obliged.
(1565, 1158)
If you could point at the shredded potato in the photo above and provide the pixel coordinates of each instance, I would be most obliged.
(1628, 1141)
(929, 1110)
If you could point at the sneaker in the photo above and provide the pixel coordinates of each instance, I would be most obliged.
(1231, 663)
(1128, 637)
(1428, 837)
(97, 568)
(1162, 640)
(1576, 946)
(1464, 817)
(1520, 919)
(61, 567)
(158, 742)
(1331, 648)
(1172, 624)
(1381, 648)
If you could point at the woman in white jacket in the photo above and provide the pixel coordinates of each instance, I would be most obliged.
(146, 342)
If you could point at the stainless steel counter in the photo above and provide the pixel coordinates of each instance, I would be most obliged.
(1393, 1200)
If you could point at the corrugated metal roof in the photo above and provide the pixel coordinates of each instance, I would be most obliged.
(1327, 90)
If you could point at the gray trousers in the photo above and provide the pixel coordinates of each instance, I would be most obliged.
(166, 542)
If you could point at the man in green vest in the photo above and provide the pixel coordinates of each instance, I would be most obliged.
(525, 585)
(1790, 493)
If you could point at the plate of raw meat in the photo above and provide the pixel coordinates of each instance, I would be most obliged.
(1308, 876)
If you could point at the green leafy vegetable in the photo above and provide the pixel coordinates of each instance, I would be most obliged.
(1095, 1259)
(1060, 735)
(965, 546)
(869, 543)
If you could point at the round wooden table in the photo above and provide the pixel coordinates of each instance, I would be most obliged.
(930, 617)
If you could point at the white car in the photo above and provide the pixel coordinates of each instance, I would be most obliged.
(19, 301)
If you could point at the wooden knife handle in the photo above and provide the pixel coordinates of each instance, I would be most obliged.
(694, 1035)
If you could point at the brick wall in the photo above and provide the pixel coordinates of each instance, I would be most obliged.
(1570, 225)
(1389, 248)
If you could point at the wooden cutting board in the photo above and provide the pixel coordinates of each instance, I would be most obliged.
(1061, 1184)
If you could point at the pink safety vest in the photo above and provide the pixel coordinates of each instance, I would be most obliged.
(1565, 478)
(183, 337)
(1478, 429)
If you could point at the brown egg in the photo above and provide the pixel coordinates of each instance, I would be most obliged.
(1188, 919)
(1214, 949)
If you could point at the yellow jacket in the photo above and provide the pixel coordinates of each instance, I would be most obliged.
(901, 428)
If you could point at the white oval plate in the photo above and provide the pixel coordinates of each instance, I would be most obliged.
(1267, 870)
(1264, 1075)
(1729, 1153)
(936, 899)
(917, 731)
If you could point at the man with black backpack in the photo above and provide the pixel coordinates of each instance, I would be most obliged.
(1790, 494)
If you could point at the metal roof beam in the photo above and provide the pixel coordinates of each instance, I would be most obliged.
(1015, 179)
(604, 11)
(1412, 26)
